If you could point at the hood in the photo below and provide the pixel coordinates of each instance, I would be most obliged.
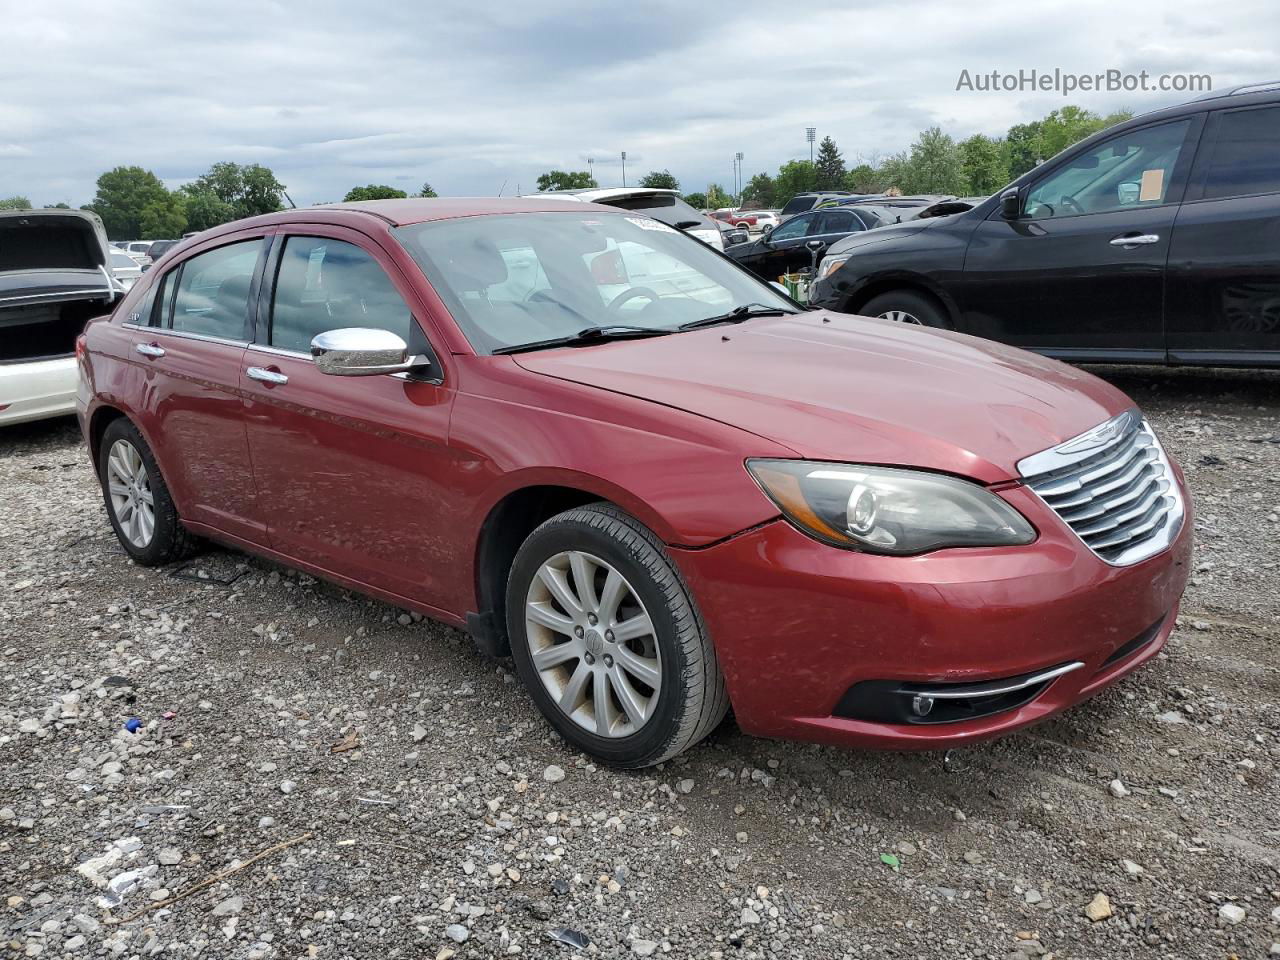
(835, 387)
(890, 231)
(63, 240)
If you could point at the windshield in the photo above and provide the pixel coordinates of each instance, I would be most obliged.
(525, 278)
(660, 206)
(798, 204)
(123, 260)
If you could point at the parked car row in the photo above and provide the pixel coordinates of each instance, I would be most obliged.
(1153, 241)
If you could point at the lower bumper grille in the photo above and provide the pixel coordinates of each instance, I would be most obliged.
(895, 701)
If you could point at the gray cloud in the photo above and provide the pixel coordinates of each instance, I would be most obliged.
(472, 95)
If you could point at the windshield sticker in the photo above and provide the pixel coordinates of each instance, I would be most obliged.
(644, 223)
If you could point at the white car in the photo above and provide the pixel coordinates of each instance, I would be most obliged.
(53, 278)
(764, 218)
(140, 250)
(125, 268)
(666, 206)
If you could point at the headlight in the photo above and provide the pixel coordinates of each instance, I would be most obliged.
(885, 510)
(830, 265)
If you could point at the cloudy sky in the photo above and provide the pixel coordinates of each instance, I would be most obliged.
(472, 95)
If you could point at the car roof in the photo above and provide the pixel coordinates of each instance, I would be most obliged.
(399, 213)
(606, 193)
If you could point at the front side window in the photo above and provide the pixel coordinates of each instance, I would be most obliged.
(324, 284)
(516, 279)
(213, 291)
(1246, 155)
(1128, 171)
(793, 229)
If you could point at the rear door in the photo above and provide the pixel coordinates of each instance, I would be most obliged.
(1223, 284)
(190, 341)
(356, 470)
(1080, 275)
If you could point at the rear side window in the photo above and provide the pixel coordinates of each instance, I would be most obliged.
(326, 284)
(213, 291)
(838, 221)
(1246, 156)
(798, 205)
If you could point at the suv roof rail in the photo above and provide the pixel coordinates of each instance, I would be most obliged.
(1264, 87)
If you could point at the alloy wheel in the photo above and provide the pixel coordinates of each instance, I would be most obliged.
(129, 487)
(901, 316)
(592, 642)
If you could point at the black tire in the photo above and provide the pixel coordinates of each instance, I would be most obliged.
(692, 699)
(926, 311)
(170, 540)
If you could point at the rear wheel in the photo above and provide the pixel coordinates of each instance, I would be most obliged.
(606, 638)
(907, 306)
(138, 503)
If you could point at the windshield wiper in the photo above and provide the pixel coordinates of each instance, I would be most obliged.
(600, 334)
(737, 315)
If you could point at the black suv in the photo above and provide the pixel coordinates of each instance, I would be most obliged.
(1154, 241)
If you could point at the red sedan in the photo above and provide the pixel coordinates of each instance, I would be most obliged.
(664, 489)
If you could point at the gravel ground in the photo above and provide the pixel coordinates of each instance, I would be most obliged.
(407, 801)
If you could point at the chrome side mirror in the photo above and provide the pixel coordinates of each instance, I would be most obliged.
(362, 352)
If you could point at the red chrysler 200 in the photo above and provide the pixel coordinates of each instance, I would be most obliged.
(662, 487)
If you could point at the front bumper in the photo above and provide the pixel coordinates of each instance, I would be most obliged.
(797, 624)
(37, 390)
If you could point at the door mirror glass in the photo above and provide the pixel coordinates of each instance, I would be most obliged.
(362, 352)
(1010, 208)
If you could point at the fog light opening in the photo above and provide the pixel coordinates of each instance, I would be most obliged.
(921, 705)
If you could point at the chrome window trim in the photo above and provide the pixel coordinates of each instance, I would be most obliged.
(1097, 440)
(185, 335)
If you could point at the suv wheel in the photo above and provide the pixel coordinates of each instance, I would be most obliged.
(906, 306)
(606, 638)
(138, 502)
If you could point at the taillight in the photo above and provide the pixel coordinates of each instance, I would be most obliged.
(81, 348)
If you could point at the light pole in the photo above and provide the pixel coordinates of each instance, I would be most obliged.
(624, 168)
(811, 134)
(591, 170)
(738, 157)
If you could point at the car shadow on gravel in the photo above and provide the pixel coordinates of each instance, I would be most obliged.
(1194, 384)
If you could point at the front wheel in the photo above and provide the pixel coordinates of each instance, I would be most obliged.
(607, 639)
(907, 306)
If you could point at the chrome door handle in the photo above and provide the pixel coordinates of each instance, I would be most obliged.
(1135, 241)
(267, 376)
(150, 349)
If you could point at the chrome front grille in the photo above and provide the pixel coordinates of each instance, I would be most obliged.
(1113, 486)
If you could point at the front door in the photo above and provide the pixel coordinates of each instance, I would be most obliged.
(1223, 293)
(190, 338)
(783, 250)
(1080, 274)
(355, 470)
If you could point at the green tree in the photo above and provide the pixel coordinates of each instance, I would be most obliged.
(562, 180)
(17, 202)
(373, 192)
(205, 209)
(830, 166)
(759, 191)
(164, 218)
(894, 173)
(59, 206)
(862, 179)
(123, 194)
(935, 165)
(248, 190)
(1022, 148)
(660, 180)
(427, 191)
(718, 196)
(983, 161)
(696, 200)
(794, 176)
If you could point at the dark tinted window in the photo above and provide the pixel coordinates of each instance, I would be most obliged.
(1246, 156)
(213, 291)
(793, 228)
(837, 221)
(797, 205)
(328, 284)
(161, 314)
(662, 207)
